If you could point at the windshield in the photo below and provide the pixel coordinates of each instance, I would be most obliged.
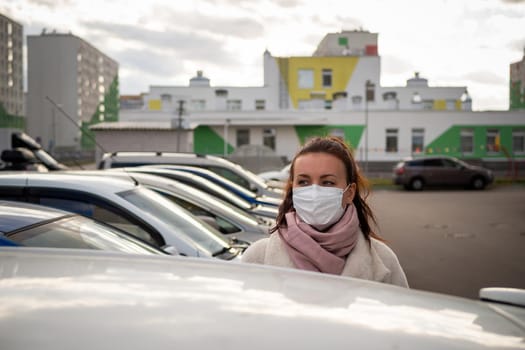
(79, 232)
(179, 220)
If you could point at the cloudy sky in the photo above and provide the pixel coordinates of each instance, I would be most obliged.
(164, 42)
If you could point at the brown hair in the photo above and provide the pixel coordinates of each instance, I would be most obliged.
(338, 148)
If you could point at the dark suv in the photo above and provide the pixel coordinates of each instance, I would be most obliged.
(417, 173)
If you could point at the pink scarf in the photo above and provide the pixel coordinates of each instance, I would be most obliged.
(326, 252)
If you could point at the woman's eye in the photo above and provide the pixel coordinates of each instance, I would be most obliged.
(302, 182)
(328, 183)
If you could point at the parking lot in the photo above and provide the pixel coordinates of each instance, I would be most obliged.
(456, 241)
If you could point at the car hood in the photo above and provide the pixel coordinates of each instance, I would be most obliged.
(63, 299)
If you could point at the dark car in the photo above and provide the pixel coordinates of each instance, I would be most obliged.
(417, 173)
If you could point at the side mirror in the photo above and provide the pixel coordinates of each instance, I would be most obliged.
(254, 188)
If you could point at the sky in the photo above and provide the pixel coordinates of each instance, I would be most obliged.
(165, 42)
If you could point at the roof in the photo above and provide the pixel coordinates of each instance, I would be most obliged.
(137, 125)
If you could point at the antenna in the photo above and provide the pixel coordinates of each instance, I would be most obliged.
(57, 106)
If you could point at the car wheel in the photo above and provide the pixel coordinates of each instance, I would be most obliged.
(477, 183)
(416, 184)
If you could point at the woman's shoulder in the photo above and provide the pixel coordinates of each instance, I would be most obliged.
(256, 251)
(384, 251)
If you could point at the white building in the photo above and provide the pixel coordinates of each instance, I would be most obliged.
(336, 91)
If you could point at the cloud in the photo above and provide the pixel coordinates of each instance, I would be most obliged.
(181, 45)
(513, 1)
(517, 45)
(51, 4)
(391, 64)
(237, 27)
(484, 77)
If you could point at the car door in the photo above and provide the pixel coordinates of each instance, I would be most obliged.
(433, 171)
(455, 173)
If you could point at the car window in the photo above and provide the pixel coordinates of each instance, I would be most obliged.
(448, 163)
(180, 221)
(433, 163)
(230, 175)
(95, 211)
(223, 225)
(416, 162)
(82, 233)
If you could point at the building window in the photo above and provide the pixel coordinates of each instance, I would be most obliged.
(198, 105)
(243, 137)
(467, 141)
(327, 104)
(518, 141)
(356, 100)
(165, 98)
(233, 105)
(269, 138)
(391, 141)
(305, 78)
(260, 105)
(418, 140)
(492, 140)
(428, 105)
(327, 78)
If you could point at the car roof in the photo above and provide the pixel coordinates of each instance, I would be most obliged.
(98, 299)
(16, 215)
(76, 181)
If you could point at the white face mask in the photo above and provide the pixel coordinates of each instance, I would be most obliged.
(319, 206)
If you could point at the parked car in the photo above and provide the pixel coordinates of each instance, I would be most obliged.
(276, 175)
(266, 213)
(124, 204)
(58, 299)
(232, 222)
(226, 184)
(417, 173)
(230, 170)
(31, 225)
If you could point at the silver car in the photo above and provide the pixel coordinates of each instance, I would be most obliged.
(63, 300)
(235, 224)
(124, 204)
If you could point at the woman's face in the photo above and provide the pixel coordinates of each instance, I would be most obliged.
(322, 169)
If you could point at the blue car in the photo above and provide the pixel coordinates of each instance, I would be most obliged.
(225, 183)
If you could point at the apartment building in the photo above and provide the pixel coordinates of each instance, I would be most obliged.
(11, 67)
(71, 85)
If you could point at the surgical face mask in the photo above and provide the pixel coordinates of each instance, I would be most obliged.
(319, 206)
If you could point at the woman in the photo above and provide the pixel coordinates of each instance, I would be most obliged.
(324, 223)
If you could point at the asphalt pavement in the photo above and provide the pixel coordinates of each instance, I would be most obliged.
(456, 241)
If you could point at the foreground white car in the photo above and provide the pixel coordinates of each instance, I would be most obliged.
(64, 300)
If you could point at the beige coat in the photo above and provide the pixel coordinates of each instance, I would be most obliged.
(375, 261)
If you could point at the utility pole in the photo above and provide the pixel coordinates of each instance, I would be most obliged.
(180, 111)
(369, 96)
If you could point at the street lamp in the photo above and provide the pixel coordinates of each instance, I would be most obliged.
(369, 96)
(226, 124)
(180, 111)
